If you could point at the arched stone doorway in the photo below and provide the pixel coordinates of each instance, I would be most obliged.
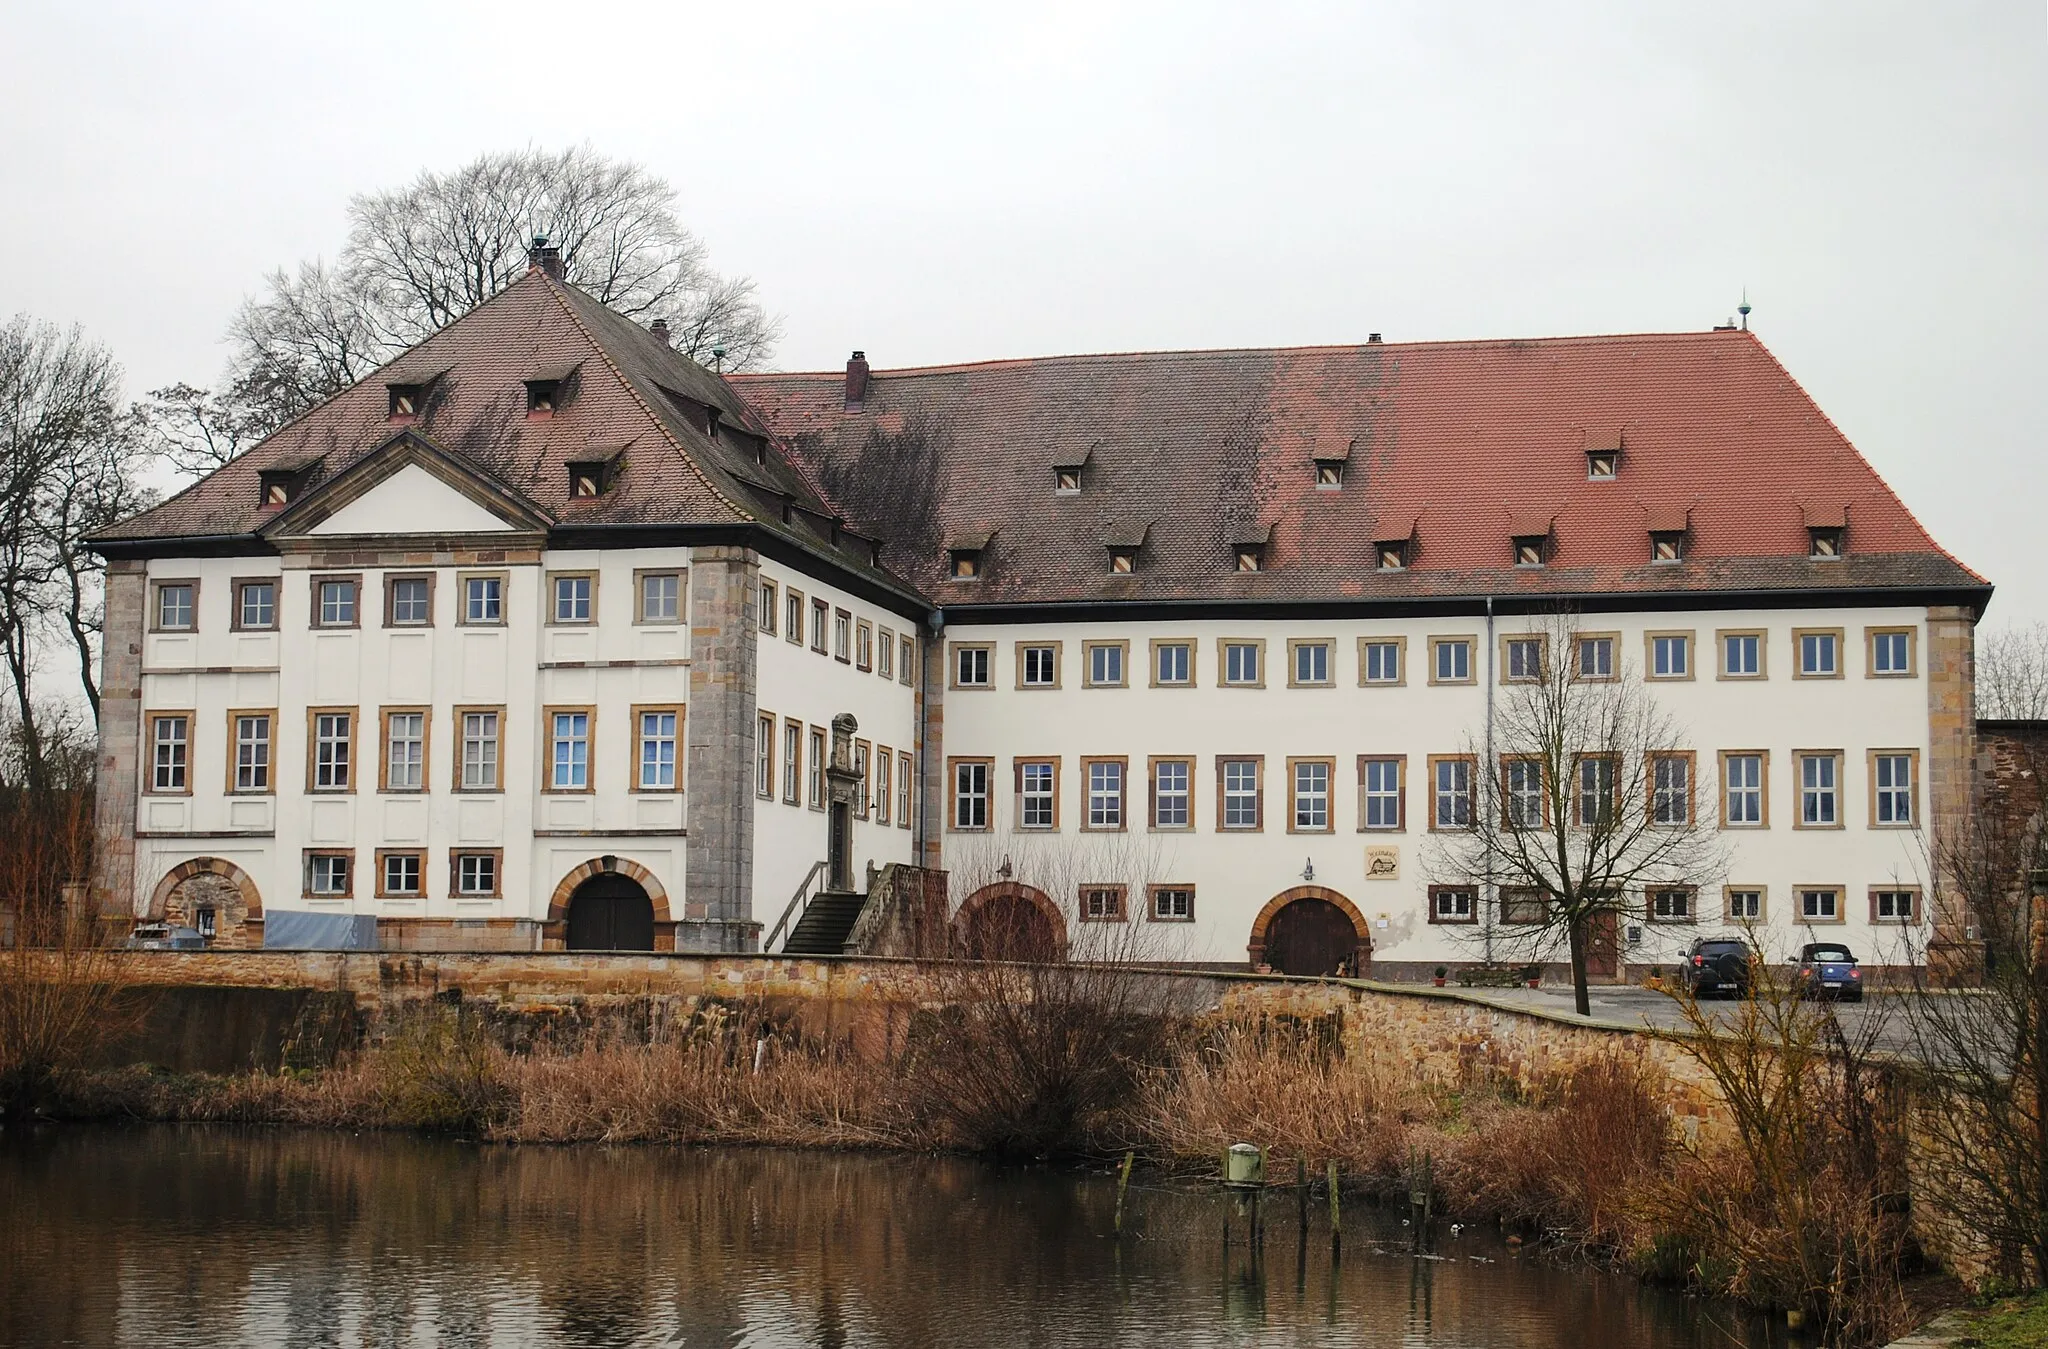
(1310, 930)
(214, 896)
(1010, 921)
(610, 904)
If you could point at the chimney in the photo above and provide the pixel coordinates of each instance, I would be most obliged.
(856, 381)
(1372, 339)
(660, 330)
(544, 256)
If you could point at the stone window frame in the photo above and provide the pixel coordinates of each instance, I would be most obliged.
(793, 625)
(1870, 636)
(1192, 645)
(1400, 762)
(425, 713)
(953, 650)
(234, 763)
(882, 769)
(1223, 762)
(767, 754)
(1763, 654)
(391, 580)
(460, 715)
(320, 578)
(1801, 918)
(1400, 679)
(641, 576)
(157, 586)
(954, 763)
(789, 766)
(1295, 763)
(769, 597)
(906, 658)
(1508, 641)
(348, 891)
(1294, 647)
(1122, 647)
(1763, 904)
(1223, 679)
(1763, 779)
(1470, 641)
(1689, 636)
(1799, 636)
(1507, 796)
(1438, 893)
(236, 585)
(906, 779)
(354, 742)
(1017, 765)
(1912, 757)
(1918, 915)
(548, 713)
(1613, 675)
(1153, 891)
(885, 653)
(554, 600)
(821, 622)
(1471, 762)
(842, 635)
(1692, 786)
(1122, 900)
(1058, 664)
(1123, 793)
(1799, 758)
(462, 581)
(1152, 763)
(455, 856)
(863, 646)
(383, 891)
(1692, 904)
(818, 747)
(863, 762)
(1615, 784)
(190, 717)
(634, 782)
(1512, 897)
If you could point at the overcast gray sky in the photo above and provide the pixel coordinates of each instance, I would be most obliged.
(954, 182)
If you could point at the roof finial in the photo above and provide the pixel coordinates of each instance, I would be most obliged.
(1743, 309)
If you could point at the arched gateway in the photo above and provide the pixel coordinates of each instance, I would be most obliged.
(1010, 921)
(1310, 930)
(609, 904)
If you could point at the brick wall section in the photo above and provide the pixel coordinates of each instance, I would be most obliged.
(1952, 744)
(718, 889)
(120, 741)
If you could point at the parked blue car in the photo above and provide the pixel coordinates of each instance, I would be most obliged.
(1828, 970)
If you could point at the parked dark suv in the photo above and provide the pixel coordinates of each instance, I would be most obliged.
(1717, 965)
(1827, 970)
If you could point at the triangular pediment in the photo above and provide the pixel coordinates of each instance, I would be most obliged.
(410, 487)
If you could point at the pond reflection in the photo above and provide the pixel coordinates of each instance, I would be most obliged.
(215, 1236)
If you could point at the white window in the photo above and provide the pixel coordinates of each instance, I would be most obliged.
(661, 599)
(327, 874)
(1671, 656)
(1819, 654)
(1106, 665)
(1105, 795)
(861, 800)
(770, 602)
(1671, 789)
(883, 761)
(970, 796)
(885, 651)
(1452, 904)
(570, 740)
(1312, 795)
(1671, 904)
(1040, 671)
(1102, 902)
(252, 754)
(1173, 658)
(331, 743)
(842, 635)
(1819, 795)
(476, 873)
(1745, 906)
(402, 873)
(259, 604)
(483, 599)
(1742, 655)
(1453, 662)
(821, 614)
(1893, 906)
(1894, 785)
(1382, 662)
(1820, 905)
(572, 599)
(817, 775)
(410, 601)
(1240, 663)
(405, 755)
(1596, 658)
(1453, 790)
(1524, 793)
(1525, 659)
(1035, 796)
(337, 604)
(1170, 794)
(1312, 663)
(1382, 793)
(1745, 788)
(1596, 790)
(1173, 903)
(1891, 653)
(764, 756)
(905, 650)
(971, 667)
(658, 754)
(863, 645)
(793, 617)
(479, 751)
(903, 772)
(1241, 794)
(174, 606)
(173, 750)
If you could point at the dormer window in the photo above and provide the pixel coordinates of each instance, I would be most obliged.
(276, 487)
(1394, 555)
(1329, 474)
(966, 564)
(1123, 561)
(593, 477)
(1601, 465)
(1067, 481)
(540, 397)
(1251, 557)
(406, 401)
(1667, 545)
(1824, 542)
(1531, 550)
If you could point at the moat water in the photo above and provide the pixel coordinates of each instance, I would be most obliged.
(203, 1236)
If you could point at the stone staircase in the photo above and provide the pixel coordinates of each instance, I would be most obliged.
(825, 924)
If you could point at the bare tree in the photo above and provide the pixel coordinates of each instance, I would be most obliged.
(1578, 798)
(2012, 674)
(423, 255)
(196, 431)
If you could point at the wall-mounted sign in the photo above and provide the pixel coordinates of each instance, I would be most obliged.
(1383, 864)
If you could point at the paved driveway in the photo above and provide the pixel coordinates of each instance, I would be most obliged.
(1882, 1015)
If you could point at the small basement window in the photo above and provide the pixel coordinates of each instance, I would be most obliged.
(1824, 542)
(1067, 481)
(1531, 550)
(1667, 545)
(406, 401)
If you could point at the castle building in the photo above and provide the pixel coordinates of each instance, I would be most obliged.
(545, 636)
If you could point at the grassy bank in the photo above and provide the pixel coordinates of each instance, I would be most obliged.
(1590, 1158)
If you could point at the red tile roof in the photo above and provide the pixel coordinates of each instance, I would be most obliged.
(1472, 442)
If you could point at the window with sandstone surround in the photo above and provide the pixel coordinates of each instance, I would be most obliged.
(1240, 790)
(1038, 665)
(1171, 903)
(1038, 794)
(1173, 799)
(1104, 782)
(1383, 804)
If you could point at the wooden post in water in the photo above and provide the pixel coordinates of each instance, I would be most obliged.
(1336, 1213)
(1301, 1190)
(1123, 1183)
